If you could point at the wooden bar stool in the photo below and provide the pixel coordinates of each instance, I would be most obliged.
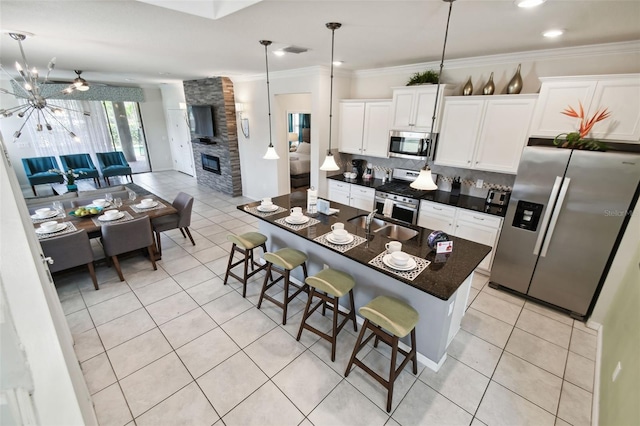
(333, 284)
(399, 319)
(245, 244)
(283, 262)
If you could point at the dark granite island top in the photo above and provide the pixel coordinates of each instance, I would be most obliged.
(440, 279)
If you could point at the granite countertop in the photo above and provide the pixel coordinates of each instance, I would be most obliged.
(440, 279)
(443, 197)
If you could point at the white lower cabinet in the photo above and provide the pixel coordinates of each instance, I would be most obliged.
(360, 197)
(474, 226)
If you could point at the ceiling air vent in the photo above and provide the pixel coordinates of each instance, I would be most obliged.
(294, 49)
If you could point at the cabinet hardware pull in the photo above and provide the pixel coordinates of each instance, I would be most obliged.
(469, 162)
(479, 218)
(435, 208)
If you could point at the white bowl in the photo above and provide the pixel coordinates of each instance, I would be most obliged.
(340, 234)
(111, 213)
(43, 212)
(146, 202)
(100, 202)
(399, 258)
(49, 226)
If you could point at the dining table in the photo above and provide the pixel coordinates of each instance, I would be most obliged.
(69, 222)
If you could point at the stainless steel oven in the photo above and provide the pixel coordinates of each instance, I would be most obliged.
(405, 199)
(404, 209)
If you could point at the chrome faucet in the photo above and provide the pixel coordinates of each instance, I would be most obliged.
(368, 221)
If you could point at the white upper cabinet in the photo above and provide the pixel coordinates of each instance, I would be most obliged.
(485, 132)
(364, 127)
(620, 94)
(412, 107)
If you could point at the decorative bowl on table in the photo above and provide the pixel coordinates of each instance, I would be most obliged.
(86, 211)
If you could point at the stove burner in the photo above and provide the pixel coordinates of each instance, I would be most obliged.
(402, 188)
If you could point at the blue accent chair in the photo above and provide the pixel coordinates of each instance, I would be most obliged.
(81, 163)
(113, 164)
(37, 170)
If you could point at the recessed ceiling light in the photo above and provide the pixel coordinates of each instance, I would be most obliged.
(278, 52)
(529, 3)
(553, 33)
(337, 63)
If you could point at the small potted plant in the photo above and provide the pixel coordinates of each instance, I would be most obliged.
(69, 177)
(425, 77)
(578, 140)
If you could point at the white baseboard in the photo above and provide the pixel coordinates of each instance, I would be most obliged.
(595, 405)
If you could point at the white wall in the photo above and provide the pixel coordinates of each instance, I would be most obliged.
(616, 58)
(60, 395)
(262, 178)
(155, 130)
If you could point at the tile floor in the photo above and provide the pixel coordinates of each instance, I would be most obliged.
(175, 346)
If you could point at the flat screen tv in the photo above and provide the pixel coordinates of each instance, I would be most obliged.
(201, 123)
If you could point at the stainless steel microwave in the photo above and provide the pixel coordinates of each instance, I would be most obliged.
(412, 145)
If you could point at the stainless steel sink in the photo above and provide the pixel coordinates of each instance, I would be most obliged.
(361, 221)
(389, 230)
(397, 232)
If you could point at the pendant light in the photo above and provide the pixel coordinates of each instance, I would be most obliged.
(425, 179)
(329, 164)
(80, 83)
(271, 150)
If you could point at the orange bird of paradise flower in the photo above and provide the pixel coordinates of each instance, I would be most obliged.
(586, 126)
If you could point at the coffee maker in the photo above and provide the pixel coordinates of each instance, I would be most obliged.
(358, 167)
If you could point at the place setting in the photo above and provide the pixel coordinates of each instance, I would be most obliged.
(266, 208)
(395, 260)
(297, 220)
(45, 214)
(339, 238)
(53, 228)
(146, 204)
(111, 216)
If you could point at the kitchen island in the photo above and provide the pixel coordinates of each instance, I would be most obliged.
(439, 292)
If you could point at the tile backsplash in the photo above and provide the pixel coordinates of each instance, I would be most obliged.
(468, 177)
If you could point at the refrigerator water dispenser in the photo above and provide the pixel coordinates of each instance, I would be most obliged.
(527, 215)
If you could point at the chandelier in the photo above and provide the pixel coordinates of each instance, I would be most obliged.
(31, 89)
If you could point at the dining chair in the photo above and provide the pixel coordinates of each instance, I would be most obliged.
(81, 163)
(68, 251)
(124, 237)
(113, 164)
(37, 171)
(180, 220)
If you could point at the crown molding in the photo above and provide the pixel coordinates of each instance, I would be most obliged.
(509, 58)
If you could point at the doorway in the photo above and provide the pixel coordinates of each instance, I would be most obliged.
(299, 148)
(180, 138)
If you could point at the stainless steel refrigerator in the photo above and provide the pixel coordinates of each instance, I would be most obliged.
(565, 217)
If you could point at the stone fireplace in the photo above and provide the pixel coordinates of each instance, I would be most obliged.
(221, 155)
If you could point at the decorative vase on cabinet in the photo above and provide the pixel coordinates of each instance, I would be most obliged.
(489, 88)
(515, 85)
(467, 90)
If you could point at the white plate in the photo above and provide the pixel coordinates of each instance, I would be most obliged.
(48, 215)
(104, 218)
(292, 221)
(330, 238)
(411, 264)
(100, 207)
(58, 228)
(144, 206)
(271, 208)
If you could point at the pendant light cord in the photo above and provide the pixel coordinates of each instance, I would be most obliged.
(333, 35)
(266, 43)
(435, 106)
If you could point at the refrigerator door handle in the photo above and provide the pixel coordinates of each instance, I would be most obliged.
(554, 218)
(547, 214)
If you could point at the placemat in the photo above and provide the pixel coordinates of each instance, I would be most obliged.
(411, 275)
(255, 210)
(127, 216)
(311, 222)
(70, 228)
(137, 209)
(357, 240)
(60, 215)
